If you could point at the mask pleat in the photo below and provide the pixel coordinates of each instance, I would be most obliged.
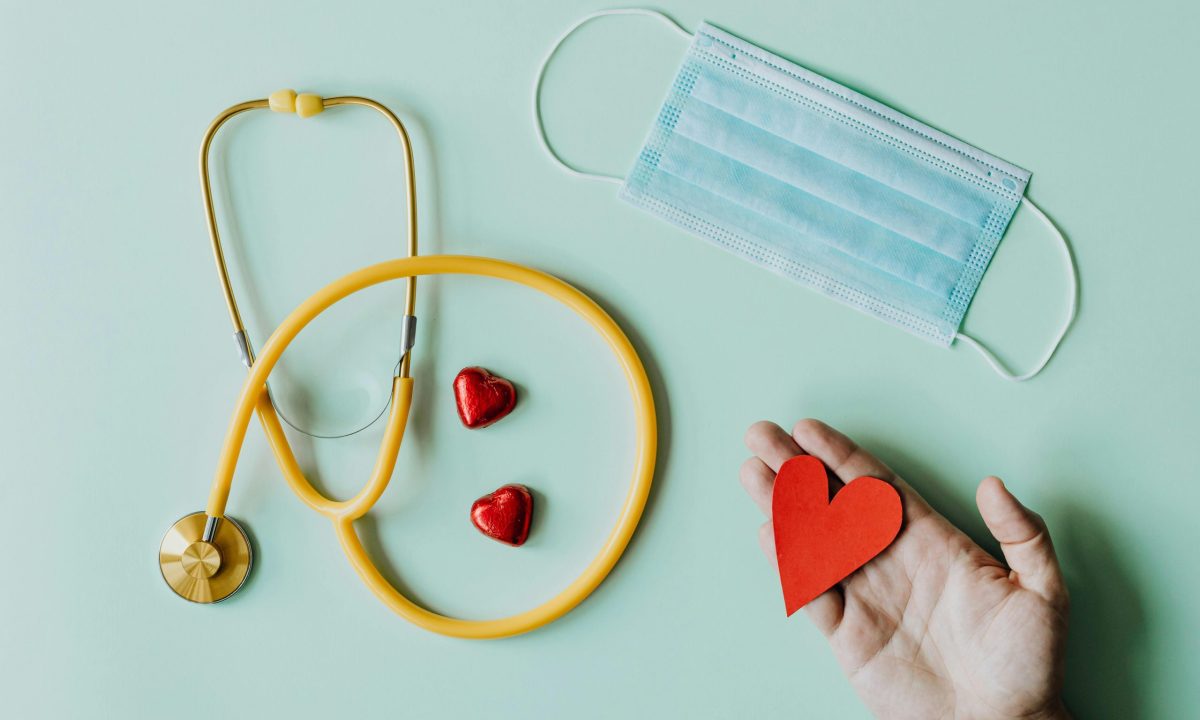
(811, 216)
(902, 214)
(820, 260)
(845, 145)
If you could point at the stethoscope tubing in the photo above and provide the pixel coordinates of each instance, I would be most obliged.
(253, 397)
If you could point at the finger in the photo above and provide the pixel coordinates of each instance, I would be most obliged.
(839, 452)
(1024, 539)
(766, 541)
(759, 481)
(771, 443)
(825, 611)
(849, 461)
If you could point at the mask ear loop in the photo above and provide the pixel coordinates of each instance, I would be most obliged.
(1072, 310)
(537, 85)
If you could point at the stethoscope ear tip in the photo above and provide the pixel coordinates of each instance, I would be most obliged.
(205, 560)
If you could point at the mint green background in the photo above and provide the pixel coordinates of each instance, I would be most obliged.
(119, 375)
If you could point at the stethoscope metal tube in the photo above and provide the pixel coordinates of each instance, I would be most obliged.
(210, 528)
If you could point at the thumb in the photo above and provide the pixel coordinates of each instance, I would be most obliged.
(1024, 539)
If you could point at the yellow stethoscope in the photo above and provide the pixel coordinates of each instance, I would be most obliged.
(206, 556)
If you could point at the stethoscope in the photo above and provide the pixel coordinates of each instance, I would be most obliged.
(206, 556)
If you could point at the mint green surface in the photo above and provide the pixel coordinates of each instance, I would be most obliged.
(119, 373)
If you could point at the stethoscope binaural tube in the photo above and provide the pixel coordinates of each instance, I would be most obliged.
(343, 513)
(305, 105)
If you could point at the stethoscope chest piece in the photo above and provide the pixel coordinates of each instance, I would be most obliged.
(202, 561)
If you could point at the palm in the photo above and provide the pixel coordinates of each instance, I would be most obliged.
(934, 626)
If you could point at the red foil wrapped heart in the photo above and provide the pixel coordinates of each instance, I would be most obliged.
(482, 398)
(505, 514)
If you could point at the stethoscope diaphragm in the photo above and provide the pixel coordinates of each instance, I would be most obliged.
(200, 569)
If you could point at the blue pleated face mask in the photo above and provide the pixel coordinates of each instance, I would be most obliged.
(814, 181)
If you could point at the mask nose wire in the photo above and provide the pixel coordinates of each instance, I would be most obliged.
(1072, 309)
(539, 125)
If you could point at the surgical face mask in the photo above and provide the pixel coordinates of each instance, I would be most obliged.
(814, 181)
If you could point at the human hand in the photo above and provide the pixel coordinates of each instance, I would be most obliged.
(934, 626)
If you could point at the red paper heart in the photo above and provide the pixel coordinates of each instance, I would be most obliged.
(504, 515)
(819, 543)
(482, 398)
